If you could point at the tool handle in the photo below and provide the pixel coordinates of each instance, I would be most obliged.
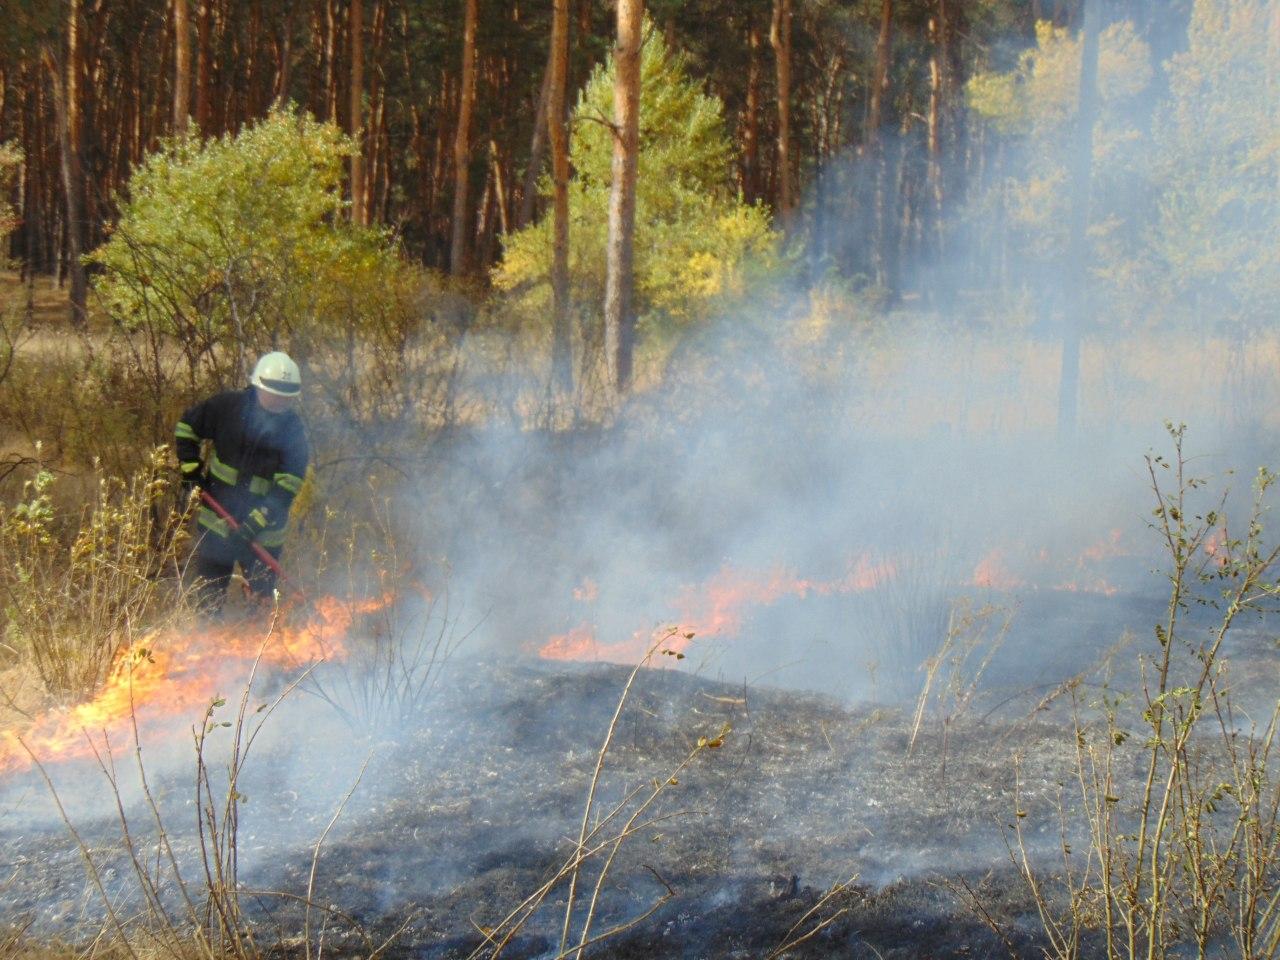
(257, 548)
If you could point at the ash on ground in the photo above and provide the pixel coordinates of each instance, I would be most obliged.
(465, 813)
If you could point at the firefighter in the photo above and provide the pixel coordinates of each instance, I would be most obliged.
(257, 459)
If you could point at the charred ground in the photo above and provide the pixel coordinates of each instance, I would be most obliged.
(462, 816)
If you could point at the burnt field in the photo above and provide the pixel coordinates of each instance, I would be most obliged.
(799, 818)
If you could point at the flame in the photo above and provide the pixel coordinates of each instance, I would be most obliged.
(714, 608)
(1217, 548)
(993, 573)
(1109, 547)
(720, 605)
(165, 680)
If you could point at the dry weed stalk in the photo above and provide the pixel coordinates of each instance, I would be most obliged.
(820, 921)
(78, 589)
(1189, 857)
(392, 666)
(599, 840)
(208, 924)
(972, 639)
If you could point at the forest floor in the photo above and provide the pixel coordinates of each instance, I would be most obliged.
(466, 811)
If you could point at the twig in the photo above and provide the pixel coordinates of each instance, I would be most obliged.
(976, 905)
(315, 856)
(84, 849)
(789, 943)
(595, 783)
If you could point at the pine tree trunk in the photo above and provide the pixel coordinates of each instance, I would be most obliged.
(537, 148)
(181, 65)
(751, 120)
(68, 143)
(880, 74)
(458, 259)
(284, 60)
(619, 299)
(355, 114)
(780, 39)
(561, 350)
(376, 120)
(881, 254)
(331, 60)
(1078, 255)
(937, 91)
(67, 100)
(204, 65)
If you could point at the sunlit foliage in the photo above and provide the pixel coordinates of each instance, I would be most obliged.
(243, 242)
(1037, 103)
(1218, 162)
(696, 242)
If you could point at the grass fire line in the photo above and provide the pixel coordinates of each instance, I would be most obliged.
(176, 674)
(173, 676)
(719, 606)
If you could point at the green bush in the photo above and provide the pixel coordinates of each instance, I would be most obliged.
(227, 247)
(696, 242)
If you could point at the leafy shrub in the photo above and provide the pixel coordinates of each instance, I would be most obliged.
(231, 246)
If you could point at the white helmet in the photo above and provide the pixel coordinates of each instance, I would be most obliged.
(277, 373)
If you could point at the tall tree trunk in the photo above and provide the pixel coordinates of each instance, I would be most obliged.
(751, 119)
(72, 179)
(880, 75)
(881, 254)
(500, 188)
(331, 60)
(355, 117)
(71, 134)
(204, 65)
(1077, 278)
(619, 298)
(375, 122)
(462, 142)
(561, 350)
(251, 98)
(537, 147)
(284, 73)
(181, 65)
(937, 92)
(780, 39)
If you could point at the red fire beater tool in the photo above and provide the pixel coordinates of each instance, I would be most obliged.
(256, 547)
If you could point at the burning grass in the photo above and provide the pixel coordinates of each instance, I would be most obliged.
(530, 808)
(471, 812)
(169, 676)
(475, 808)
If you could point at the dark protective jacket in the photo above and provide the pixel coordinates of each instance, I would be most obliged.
(257, 460)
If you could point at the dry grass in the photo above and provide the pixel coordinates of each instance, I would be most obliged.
(1177, 787)
(81, 585)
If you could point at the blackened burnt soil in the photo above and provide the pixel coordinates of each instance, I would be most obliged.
(459, 819)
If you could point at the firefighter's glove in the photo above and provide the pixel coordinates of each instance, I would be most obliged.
(191, 476)
(253, 525)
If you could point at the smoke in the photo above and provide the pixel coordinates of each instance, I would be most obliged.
(802, 439)
(807, 430)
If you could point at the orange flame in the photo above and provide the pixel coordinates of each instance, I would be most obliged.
(992, 573)
(715, 608)
(166, 680)
(719, 606)
(1217, 548)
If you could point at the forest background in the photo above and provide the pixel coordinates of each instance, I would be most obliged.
(1037, 167)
